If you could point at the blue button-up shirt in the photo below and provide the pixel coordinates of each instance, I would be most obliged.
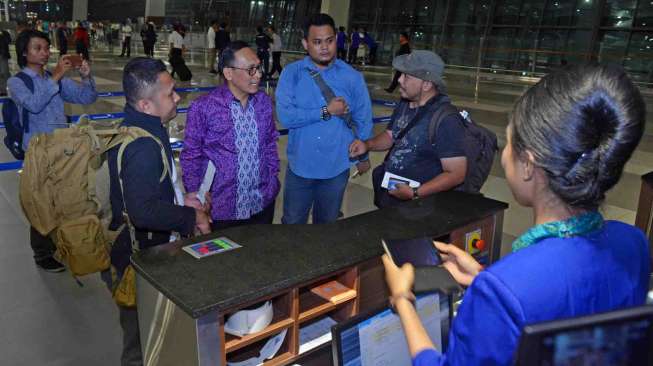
(319, 149)
(46, 103)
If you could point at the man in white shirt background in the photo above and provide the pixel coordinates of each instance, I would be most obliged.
(276, 51)
(210, 45)
(126, 31)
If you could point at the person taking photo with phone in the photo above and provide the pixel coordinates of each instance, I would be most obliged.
(43, 93)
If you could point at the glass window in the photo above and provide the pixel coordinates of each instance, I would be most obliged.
(644, 14)
(362, 10)
(470, 12)
(507, 12)
(559, 12)
(612, 46)
(619, 13)
(639, 62)
(463, 12)
(500, 50)
(578, 46)
(549, 44)
(531, 11)
(462, 46)
(585, 12)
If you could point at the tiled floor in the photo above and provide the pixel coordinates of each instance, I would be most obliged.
(48, 319)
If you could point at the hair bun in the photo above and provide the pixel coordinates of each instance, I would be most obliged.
(582, 125)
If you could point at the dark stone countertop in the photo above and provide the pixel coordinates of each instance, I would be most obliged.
(276, 257)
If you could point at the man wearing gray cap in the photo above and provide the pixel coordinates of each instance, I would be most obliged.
(425, 136)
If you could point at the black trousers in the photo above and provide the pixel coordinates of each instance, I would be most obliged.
(63, 47)
(148, 48)
(352, 54)
(126, 46)
(81, 48)
(263, 217)
(264, 56)
(342, 54)
(395, 81)
(276, 63)
(42, 246)
(372, 56)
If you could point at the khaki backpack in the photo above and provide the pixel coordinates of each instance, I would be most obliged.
(64, 190)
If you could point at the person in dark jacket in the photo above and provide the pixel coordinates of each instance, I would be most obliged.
(341, 43)
(148, 34)
(153, 207)
(404, 49)
(263, 49)
(372, 45)
(62, 39)
(222, 38)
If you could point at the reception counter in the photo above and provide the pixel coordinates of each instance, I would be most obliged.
(183, 301)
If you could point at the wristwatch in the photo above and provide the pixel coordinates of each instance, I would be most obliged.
(325, 113)
(415, 194)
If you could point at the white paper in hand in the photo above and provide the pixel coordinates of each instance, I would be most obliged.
(390, 181)
(206, 182)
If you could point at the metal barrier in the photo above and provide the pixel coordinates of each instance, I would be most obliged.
(116, 115)
(177, 145)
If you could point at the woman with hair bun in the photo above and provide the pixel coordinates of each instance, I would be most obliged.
(568, 140)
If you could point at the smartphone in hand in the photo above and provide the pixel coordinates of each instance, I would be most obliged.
(420, 252)
(75, 60)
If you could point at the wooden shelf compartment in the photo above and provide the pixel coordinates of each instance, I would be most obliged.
(282, 319)
(311, 305)
(253, 350)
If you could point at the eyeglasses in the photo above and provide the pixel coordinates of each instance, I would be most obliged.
(250, 70)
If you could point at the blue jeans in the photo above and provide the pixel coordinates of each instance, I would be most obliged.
(324, 195)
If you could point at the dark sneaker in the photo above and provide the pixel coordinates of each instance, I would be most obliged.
(50, 265)
(213, 71)
(388, 90)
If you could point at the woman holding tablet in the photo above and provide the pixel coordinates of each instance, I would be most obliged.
(568, 141)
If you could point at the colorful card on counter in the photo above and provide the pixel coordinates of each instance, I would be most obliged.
(211, 247)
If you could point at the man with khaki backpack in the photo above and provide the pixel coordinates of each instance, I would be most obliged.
(144, 200)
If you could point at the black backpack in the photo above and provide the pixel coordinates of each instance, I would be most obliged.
(16, 125)
(480, 145)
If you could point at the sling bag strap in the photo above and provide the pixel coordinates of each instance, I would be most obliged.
(133, 133)
(328, 95)
(433, 103)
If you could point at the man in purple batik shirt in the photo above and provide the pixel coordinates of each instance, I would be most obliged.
(233, 127)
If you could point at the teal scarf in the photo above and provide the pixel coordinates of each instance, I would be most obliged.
(573, 226)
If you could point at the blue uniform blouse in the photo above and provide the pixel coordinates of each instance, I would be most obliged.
(555, 278)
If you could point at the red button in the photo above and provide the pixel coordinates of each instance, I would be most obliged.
(478, 244)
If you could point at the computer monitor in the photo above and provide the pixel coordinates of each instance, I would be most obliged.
(623, 337)
(377, 336)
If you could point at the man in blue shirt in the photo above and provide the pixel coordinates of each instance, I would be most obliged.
(319, 137)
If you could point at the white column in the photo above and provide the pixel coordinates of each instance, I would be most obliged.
(80, 10)
(155, 8)
(339, 11)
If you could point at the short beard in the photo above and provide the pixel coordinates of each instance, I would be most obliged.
(323, 63)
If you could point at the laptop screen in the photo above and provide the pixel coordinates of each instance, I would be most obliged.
(377, 338)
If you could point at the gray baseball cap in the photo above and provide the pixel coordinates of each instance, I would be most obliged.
(422, 64)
